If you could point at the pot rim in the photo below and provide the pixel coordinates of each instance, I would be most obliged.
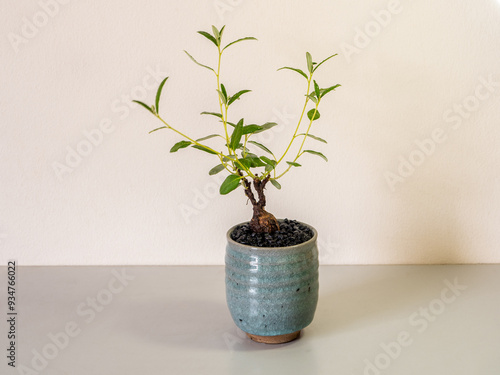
(257, 248)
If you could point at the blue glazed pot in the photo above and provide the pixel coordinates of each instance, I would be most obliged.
(272, 292)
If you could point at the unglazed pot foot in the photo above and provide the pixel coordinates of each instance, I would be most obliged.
(280, 339)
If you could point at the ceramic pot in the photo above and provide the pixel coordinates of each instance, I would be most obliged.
(272, 292)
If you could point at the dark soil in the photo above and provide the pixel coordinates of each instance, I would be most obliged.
(291, 233)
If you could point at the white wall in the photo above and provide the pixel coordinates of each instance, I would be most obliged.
(121, 203)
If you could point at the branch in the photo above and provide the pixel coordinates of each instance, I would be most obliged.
(259, 188)
(248, 189)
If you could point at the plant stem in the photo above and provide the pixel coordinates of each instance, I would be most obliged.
(300, 119)
(224, 117)
(221, 155)
(299, 153)
(188, 138)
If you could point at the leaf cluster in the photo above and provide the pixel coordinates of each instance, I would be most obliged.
(240, 155)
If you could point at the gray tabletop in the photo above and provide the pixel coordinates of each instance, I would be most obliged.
(370, 320)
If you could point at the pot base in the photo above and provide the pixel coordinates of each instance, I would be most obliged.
(280, 339)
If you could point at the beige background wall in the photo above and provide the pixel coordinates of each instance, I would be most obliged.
(413, 133)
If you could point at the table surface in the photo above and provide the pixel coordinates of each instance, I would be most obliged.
(370, 320)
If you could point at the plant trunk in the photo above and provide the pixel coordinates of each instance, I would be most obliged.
(262, 221)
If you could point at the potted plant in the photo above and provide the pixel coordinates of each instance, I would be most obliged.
(271, 264)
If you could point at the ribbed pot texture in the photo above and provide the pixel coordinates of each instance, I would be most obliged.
(272, 291)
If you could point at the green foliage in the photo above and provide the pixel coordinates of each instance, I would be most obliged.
(218, 168)
(309, 62)
(313, 137)
(313, 114)
(236, 96)
(237, 137)
(275, 183)
(150, 109)
(250, 129)
(296, 70)
(230, 183)
(158, 94)
(328, 58)
(204, 148)
(212, 114)
(240, 40)
(252, 162)
(261, 146)
(316, 153)
(196, 62)
(179, 145)
(208, 137)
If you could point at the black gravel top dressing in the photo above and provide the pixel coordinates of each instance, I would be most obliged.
(291, 233)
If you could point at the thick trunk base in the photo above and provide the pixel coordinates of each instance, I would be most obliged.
(263, 222)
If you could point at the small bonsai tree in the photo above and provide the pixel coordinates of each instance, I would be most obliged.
(238, 153)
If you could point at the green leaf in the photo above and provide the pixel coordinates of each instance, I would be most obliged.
(313, 112)
(221, 31)
(207, 137)
(231, 123)
(309, 62)
(293, 164)
(196, 62)
(216, 32)
(237, 96)
(162, 127)
(239, 40)
(179, 145)
(216, 169)
(275, 183)
(230, 183)
(270, 164)
(314, 137)
(158, 94)
(268, 161)
(211, 113)
(316, 89)
(244, 151)
(328, 58)
(252, 162)
(260, 145)
(236, 136)
(266, 126)
(209, 37)
(249, 129)
(222, 97)
(313, 98)
(202, 148)
(327, 90)
(316, 153)
(145, 106)
(223, 89)
(296, 70)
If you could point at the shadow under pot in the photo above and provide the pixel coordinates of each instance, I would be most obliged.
(272, 292)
